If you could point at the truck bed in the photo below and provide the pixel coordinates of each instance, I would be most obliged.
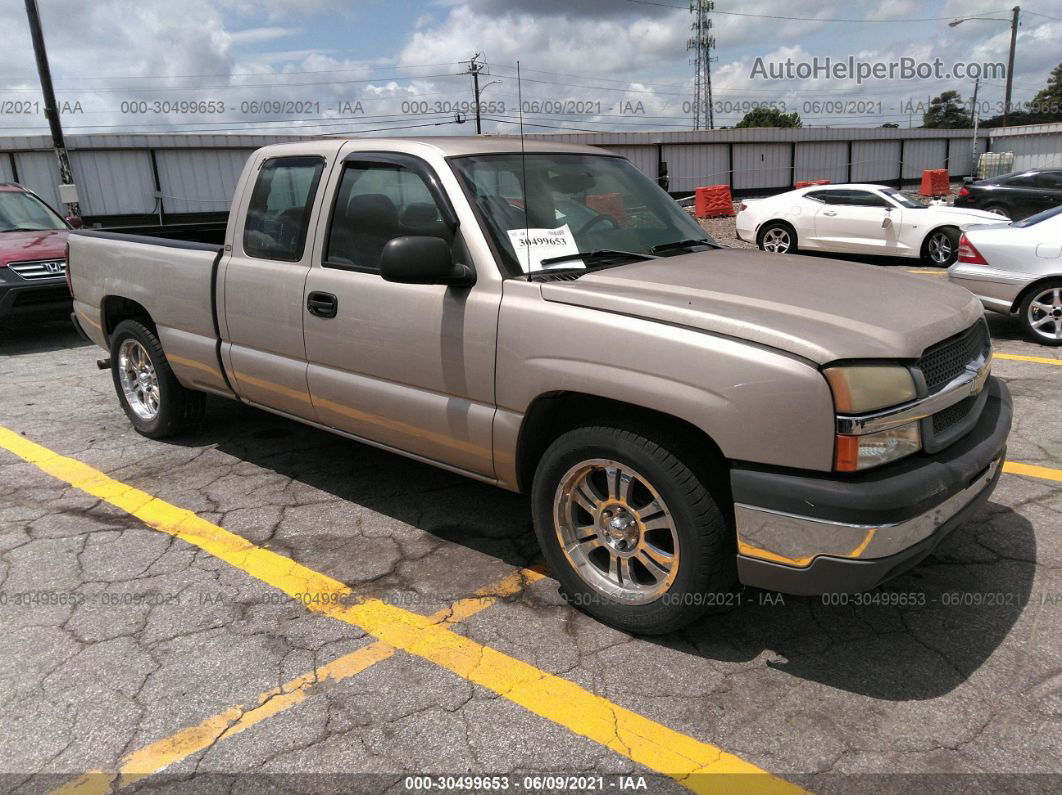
(173, 280)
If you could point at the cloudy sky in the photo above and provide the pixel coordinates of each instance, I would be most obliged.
(368, 65)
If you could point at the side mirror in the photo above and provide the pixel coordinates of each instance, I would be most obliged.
(420, 259)
(75, 221)
(887, 220)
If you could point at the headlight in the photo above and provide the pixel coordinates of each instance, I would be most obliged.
(861, 388)
(853, 453)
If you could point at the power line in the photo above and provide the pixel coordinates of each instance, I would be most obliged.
(810, 19)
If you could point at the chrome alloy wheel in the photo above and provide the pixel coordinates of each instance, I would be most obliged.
(939, 248)
(139, 382)
(777, 240)
(1045, 314)
(616, 531)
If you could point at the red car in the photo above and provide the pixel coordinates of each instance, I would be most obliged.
(32, 253)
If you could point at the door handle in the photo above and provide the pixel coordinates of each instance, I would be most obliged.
(830, 212)
(322, 304)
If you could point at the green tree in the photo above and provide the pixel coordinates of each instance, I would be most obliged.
(946, 112)
(769, 117)
(1047, 104)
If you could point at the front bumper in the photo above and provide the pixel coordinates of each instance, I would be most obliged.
(811, 534)
(22, 297)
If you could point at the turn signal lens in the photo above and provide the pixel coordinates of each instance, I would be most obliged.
(964, 192)
(861, 388)
(969, 254)
(855, 453)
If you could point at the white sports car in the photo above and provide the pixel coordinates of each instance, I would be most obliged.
(856, 219)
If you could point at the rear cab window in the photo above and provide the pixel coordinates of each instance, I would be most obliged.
(278, 213)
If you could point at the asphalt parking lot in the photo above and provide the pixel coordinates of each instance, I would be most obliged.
(155, 629)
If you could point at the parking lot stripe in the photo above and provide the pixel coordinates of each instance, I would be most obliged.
(1016, 357)
(157, 756)
(693, 763)
(1032, 471)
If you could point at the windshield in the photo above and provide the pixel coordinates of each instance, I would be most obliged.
(1040, 216)
(596, 205)
(902, 199)
(24, 212)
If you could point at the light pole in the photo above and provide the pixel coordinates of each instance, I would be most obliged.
(1014, 14)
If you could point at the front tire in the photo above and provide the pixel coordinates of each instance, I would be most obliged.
(632, 532)
(1040, 313)
(940, 249)
(777, 237)
(153, 399)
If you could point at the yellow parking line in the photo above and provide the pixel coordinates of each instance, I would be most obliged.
(582, 712)
(1032, 471)
(157, 756)
(1016, 357)
(929, 271)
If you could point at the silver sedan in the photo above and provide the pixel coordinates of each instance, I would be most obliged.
(1016, 268)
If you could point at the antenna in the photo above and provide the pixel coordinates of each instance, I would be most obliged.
(523, 160)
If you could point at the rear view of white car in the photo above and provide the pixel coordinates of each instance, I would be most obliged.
(855, 219)
(1017, 269)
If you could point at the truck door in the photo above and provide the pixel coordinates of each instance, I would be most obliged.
(404, 365)
(263, 285)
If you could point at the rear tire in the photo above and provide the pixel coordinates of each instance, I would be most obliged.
(940, 249)
(777, 237)
(153, 399)
(998, 209)
(633, 534)
(1043, 305)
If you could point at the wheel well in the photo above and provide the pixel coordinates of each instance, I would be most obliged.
(554, 414)
(937, 229)
(780, 222)
(115, 309)
(1033, 286)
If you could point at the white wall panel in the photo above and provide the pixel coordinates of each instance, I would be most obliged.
(921, 155)
(762, 166)
(695, 165)
(6, 172)
(114, 182)
(875, 161)
(1032, 151)
(199, 180)
(39, 172)
(643, 157)
(822, 161)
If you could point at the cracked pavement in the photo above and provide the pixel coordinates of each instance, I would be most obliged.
(152, 635)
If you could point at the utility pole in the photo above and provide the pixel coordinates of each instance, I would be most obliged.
(51, 109)
(1014, 12)
(976, 116)
(475, 66)
(702, 43)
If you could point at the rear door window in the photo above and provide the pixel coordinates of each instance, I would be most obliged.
(278, 215)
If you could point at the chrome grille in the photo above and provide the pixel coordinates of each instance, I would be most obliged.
(42, 269)
(947, 360)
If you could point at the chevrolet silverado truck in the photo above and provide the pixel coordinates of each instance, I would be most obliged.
(543, 317)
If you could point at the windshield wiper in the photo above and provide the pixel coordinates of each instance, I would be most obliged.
(21, 229)
(662, 247)
(601, 253)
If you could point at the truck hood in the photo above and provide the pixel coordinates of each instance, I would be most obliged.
(22, 246)
(819, 309)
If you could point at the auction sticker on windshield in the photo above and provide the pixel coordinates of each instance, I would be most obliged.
(534, 245)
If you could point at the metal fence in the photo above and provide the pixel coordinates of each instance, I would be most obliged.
(167, 177)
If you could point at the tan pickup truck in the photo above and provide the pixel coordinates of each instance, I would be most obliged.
(545, 318)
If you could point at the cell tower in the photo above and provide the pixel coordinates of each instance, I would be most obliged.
(702, 42)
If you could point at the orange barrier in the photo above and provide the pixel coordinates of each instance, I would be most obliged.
(935, 182)
(713, 201)
(807, 183)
